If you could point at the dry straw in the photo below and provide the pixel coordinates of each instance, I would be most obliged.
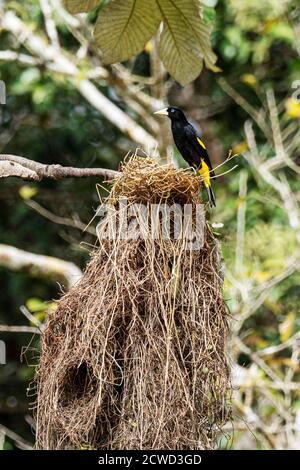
(135, 355)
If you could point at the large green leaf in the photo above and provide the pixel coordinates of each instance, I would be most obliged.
(80, 6)
(179, 44)
(124, 27)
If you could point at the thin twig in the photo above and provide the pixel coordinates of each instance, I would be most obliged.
(19, 329)
(31, 317)
(241, 222)
(256, 116)
(56, 219)
(271, 350)
(19, 441)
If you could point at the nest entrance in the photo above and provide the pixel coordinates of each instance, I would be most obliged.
(76, 383)
(135, 355)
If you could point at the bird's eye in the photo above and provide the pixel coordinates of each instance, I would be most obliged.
(172, 110)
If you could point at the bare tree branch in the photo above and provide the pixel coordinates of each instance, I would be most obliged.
(24, 59)
(39, 265)
(21, 167)
(50, 25)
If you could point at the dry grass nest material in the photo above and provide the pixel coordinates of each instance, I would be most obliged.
(144, 180)
(134, 357)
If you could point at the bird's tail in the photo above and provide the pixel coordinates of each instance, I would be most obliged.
(211, 196)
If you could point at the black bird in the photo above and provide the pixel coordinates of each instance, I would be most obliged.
(191, 147)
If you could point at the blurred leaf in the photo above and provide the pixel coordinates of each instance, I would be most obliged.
(26, 81)
(283, 361)
(209, 14)
(36, 305)
(27, 192)
(262, 276)
(149, 47)
(296, 405)
(257, 15)
(39, 316)
(286, 328)
(7, 445)
(282, 31)
(239, 148)
(273, 306)
(292, 107)
(272, 259)
(124, 27)
(46, 309)
(81, 6)
(249, 79)
(255, 340)
(40, 309)
(236, 44)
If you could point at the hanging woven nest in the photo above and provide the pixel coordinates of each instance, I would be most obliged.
(135, 357)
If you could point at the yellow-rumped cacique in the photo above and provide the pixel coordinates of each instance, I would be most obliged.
(191, 147)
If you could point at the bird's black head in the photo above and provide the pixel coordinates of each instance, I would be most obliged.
(175, 114)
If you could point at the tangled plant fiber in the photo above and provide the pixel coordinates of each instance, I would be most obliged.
(135, 355)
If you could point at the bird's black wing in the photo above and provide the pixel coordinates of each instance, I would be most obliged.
(197, 147)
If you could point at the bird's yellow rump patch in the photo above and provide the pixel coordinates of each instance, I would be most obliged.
(205, 173)
(201, 143)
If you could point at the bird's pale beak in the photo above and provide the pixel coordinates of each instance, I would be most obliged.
(162, 111)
